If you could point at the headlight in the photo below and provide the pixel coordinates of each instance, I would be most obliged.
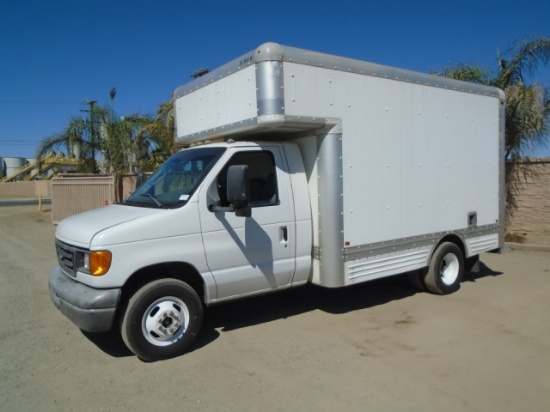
(96, 262)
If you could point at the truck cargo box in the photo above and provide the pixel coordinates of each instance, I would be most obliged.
(396, 160)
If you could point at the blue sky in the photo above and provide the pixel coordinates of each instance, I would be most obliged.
(57, 54)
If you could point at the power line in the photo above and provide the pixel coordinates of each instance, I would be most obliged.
(17, 141)
(19, 144)
(23, 139)
(48, 102)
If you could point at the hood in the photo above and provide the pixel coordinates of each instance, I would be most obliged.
(80, 229)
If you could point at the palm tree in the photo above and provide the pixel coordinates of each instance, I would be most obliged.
(127, 144)
(118, 142)
(160, 132)
(74, 142)
(527, 113)
(121, 148)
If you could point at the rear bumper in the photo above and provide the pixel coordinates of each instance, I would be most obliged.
(92, 310)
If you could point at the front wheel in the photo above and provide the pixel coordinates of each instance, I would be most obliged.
(446, 269)
(162, 319)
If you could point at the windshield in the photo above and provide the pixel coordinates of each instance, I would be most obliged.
(176, 179)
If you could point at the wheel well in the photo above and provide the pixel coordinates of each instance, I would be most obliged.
(452, 239)
(176, 270)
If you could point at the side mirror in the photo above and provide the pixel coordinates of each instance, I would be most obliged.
(238, 190)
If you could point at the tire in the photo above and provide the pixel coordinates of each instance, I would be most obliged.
(162, 320)
(446, 269)
(416, 279)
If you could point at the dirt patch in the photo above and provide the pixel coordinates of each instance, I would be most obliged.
(376, 346)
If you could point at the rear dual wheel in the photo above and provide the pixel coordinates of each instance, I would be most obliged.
(162, 319)
(446, 269)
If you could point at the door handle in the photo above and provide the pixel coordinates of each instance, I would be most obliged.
(284, 234)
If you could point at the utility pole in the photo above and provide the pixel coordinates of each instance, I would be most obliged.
(91, 103)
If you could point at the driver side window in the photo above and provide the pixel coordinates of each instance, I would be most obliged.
(262, 178)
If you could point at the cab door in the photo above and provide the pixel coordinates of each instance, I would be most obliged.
(252, 254)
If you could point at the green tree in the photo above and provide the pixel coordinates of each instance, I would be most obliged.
(78, 140)
(126, 144)
(527, 111)
(121, 149)
(122, 145)
(160, 133)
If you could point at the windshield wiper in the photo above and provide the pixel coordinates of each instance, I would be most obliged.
(154, 199)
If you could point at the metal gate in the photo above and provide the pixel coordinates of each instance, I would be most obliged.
(75, 194)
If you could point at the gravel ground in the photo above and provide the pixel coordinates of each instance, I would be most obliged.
(380, 346)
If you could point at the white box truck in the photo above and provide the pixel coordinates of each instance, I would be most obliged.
(299, 167)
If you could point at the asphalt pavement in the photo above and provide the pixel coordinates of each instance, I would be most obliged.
(24, 201)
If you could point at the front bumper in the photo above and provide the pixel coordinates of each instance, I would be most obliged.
(92, 310)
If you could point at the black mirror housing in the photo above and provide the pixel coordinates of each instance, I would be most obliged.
(238, 190)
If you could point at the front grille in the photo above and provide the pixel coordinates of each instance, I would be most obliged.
(68, 256)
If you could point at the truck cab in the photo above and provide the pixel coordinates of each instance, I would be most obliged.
(226, 220)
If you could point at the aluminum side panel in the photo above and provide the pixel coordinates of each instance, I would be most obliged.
(331, 230)
(416, 159)
(219, 104)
